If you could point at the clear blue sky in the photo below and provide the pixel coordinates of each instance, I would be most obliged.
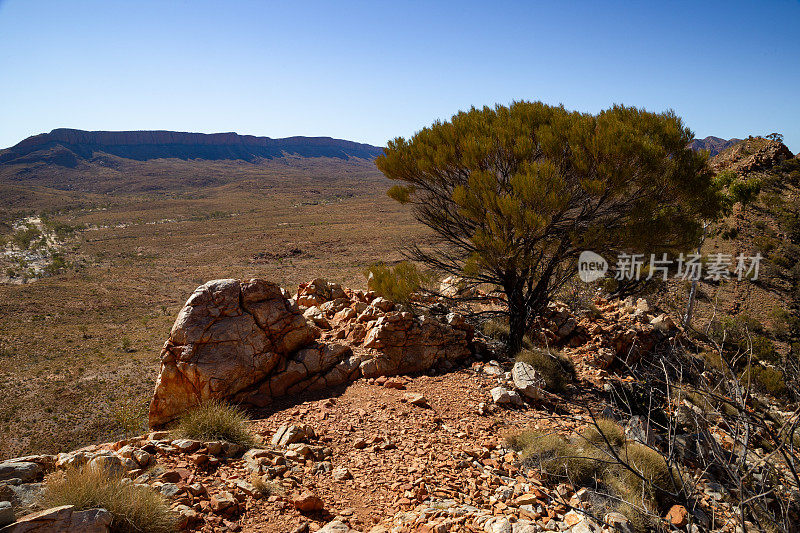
(371, 71)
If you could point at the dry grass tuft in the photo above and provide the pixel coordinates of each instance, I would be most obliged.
(588, 461)
(216, 420)
(134, 509)
(266, 487)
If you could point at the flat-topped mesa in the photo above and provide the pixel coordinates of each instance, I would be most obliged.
(77, 145)
(249, 342)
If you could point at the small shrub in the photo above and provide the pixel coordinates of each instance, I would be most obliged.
(57, 264)
(577, 295)
(556, 369)
(126, 345)
(557, 459)
(735, 331)
(134, 509)
(582, 463)
(396, 283)
(767, 379)
(216, 420)
(725, 178)
(712, 359)
(61, 230)
(24, 238)
(764, 349)
(745, 191)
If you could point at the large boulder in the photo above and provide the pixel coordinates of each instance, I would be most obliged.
(229, 336)
(24, 470)
(248, 342)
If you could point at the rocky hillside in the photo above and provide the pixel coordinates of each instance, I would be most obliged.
(752, 154)
(367, 417)
(67, 147)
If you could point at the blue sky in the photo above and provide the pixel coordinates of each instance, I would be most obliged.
(371, 71)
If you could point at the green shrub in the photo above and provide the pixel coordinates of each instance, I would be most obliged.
(764, 349)
(135, 509)
(767, 379)
(57, 264)
(734, 330)
(556, 369)
(584, 464)
(725, 178)
(24, 238)
(712, 359)
(216, 420)
(784, 322)
(396, 283)
(745, 191)
(61, 230)
(558, 459)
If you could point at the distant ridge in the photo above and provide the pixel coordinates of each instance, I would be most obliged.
(68, 147)
(714, 145)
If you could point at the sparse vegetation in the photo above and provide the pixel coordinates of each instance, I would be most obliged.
(135, 509)
(556, 369)
(496, 329)
(398, 282)
(216, 420)
(605, 432)
(266, 487)
(130, 417)
(632, 478)
(27, 237)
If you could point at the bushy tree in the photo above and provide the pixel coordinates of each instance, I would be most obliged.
(514, 194)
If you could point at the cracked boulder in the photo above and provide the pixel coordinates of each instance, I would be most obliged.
(229, 336)
(248, 342)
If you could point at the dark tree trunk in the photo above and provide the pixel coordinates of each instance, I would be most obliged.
(517, 319)
(521, 311)
(518, 327)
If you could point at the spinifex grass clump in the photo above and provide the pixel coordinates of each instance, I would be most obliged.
(135, 509)
(216, 420)
(635, 479)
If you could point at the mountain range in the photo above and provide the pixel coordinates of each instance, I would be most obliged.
(713, 145)
(69, 147)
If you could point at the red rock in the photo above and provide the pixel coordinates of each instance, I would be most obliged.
(308, 502)
(678, 516)
(394, 383)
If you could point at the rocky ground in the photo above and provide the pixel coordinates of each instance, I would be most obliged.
(422, 452)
